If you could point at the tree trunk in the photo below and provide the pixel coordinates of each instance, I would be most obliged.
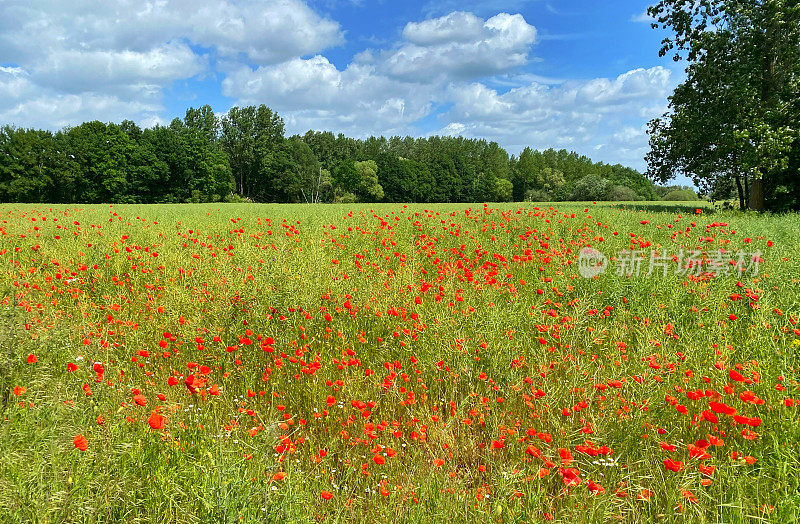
(740, 191)
(756, 200)
(746, 189)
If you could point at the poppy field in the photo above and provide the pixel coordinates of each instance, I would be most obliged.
(397, 363)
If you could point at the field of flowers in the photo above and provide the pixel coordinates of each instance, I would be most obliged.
(393, 363)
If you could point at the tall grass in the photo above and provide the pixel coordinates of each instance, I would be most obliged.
(462, 362)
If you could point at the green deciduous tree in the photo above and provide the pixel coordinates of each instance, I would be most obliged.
(736, 114)
(99, 155)
(28, 165)
(250, 136)
(590, 187)
(294, 172)
(368, 189)
(204, 121)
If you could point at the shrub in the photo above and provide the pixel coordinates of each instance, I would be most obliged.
(681, 195)
(620, 193)
(590, 187)
(537, 195)
(234, 198)
(504, 190)
(344, 198)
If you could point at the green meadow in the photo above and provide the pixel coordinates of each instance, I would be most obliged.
(398, 363)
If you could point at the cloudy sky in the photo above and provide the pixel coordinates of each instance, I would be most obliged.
(575, 74)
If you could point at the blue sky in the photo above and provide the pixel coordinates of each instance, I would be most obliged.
(579, 75)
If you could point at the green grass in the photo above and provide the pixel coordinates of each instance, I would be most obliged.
(505, 336)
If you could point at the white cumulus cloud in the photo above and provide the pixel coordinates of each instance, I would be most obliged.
(101, 58)
(63, 63)
(460, 46)
(312, 94)
(574, 114)
(386, 91)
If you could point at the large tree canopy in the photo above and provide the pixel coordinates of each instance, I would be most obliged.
(735, 117)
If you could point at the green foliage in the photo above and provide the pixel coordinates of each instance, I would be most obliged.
(617, 193)
(551, 180)
(590, 187)
(204, 121)
(660, 191)
(28, 163)
(345, 198)
(723, 188)
(205, 158)
(182, 161)
(681, 195)
(368, 187)
(101, 157)
(504, 190)
(346, 177)
(292, 170)
(537, 195)
(252, 137)
(735, 117)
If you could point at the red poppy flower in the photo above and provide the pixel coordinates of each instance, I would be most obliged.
(755, 421)
(156, 420)
(327, 495)
(697, 452)
(570, 476)
(80, 442)
(674, 465)
(710, 416)
(533, 451)
(750, 397)
(594, 487)
(735, 375)
(706, 470)
(719, 407)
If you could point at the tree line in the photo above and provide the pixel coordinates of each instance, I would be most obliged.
(245, 155)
